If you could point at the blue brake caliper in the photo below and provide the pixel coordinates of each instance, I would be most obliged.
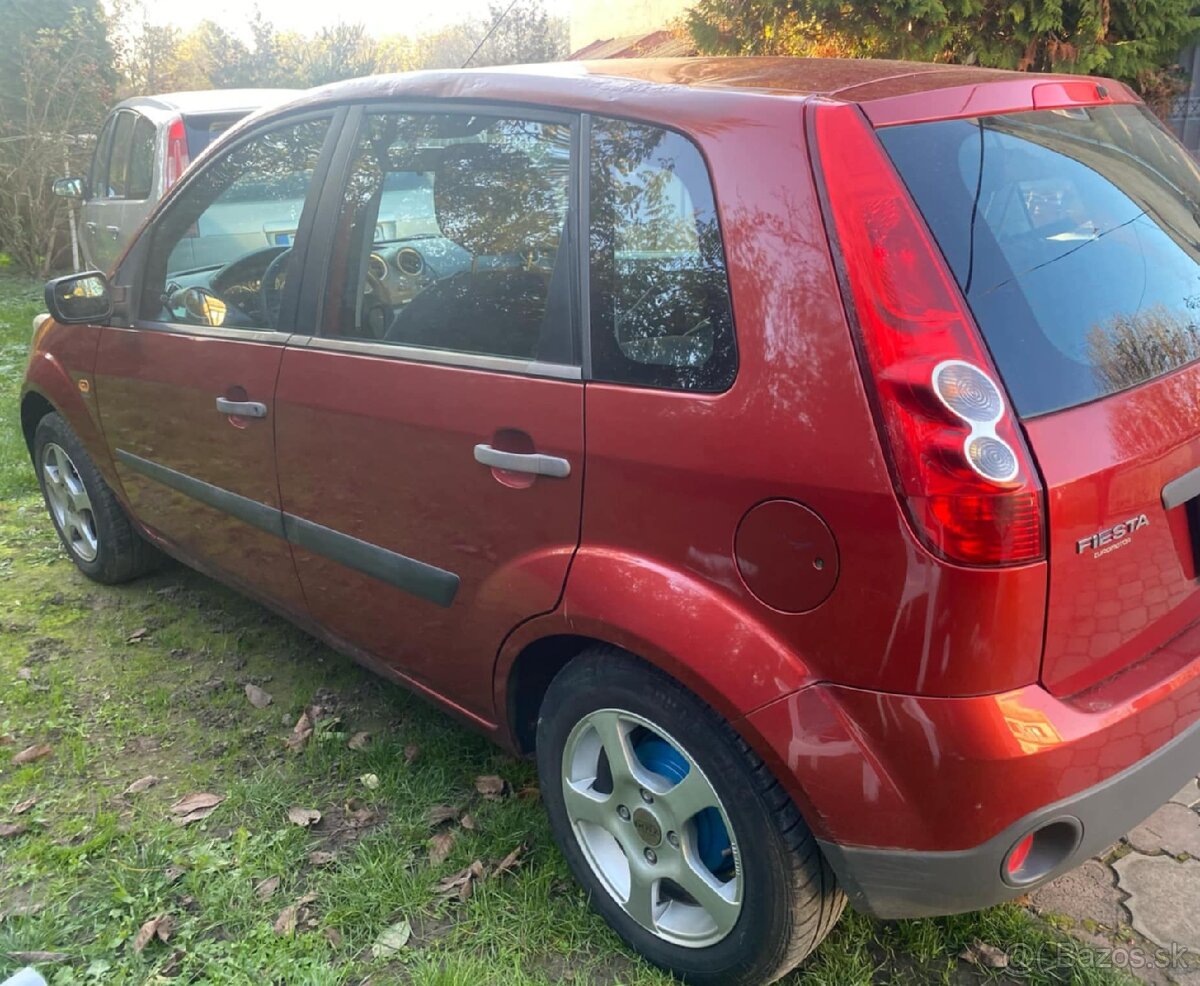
(712, 840)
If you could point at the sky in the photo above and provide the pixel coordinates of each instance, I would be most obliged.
(381, 17)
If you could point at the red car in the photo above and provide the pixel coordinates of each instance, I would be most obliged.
(801, 457)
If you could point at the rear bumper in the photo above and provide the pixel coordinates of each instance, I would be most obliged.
(917, 801)
(898, 883)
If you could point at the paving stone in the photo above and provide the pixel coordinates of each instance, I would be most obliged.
(1172, 829)
(1164, 898)
(1189, 795)
(1086, 894)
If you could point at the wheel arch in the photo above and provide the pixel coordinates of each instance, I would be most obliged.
(34, 407)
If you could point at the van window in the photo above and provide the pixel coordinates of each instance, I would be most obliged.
(141, 160)
(1075, 237)
(660, 309)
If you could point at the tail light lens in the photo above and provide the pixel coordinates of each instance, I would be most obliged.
(958, 458)
(177, 153)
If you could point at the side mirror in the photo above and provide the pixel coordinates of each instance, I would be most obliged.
(79, 298)
(68, 188)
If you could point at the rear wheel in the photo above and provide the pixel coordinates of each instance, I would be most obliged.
(687, 845)
(89, 520)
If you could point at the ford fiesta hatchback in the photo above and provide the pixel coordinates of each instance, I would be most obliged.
(800, 458)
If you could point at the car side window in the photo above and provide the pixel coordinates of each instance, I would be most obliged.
(222, 251)
(660, 309)
(118, 160)
(141, 160)
(453, 236)
(98, 178)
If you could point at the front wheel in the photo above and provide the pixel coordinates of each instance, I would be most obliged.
(87, 516)
(686, 844)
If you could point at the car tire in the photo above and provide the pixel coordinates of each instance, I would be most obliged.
(738, 912)
(90, 521)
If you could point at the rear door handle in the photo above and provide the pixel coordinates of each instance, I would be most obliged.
(91, 227)
(531, 462)
(243, 409)
(113, 231)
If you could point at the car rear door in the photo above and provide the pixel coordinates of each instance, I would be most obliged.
(186, 389)
(1074, 233)
(430, 440)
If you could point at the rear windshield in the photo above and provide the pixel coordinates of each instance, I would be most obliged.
(203, 130)
(1074, 235)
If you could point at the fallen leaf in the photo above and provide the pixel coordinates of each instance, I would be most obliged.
(359, 816)
(10, 830)
(509, 861)
(285, 924)
(304, 817)
(300, 733)
(173, 873)
(195, 807)
(393, 938)
(137, 636)
(166, 925)
(333, 936)
(6, 740)
(258, 698)
(468, 822)
(411, 752)
(531, 792)
(359, 741)
(142, 784)
(370, 781)
(439, 847)
(39, 956)
(491, 787)
(982, 954)
(322, 857)
(32, 753)
(265, 889)
(148, 931)
(440, 814)
(24, 806)
(462, 883)
(25, 674)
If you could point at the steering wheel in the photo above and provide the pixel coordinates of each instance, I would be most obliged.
(271, 289)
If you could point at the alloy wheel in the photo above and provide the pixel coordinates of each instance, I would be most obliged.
(69, 502)
(652, 828)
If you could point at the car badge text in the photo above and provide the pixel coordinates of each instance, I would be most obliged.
(1111, 538)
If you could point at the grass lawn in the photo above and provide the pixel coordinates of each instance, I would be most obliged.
(149, 681)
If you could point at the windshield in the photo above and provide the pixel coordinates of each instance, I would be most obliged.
(1074, 236)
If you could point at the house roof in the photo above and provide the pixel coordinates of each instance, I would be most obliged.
(656, 44)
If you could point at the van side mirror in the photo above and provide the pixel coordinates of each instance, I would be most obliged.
(79, 298)
(68, 188)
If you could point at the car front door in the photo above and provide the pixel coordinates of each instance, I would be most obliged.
(186, 389)
(430, 440)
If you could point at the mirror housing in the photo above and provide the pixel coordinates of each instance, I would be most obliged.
(79, 298)
(68, 188)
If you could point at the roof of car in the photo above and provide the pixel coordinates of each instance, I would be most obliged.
(847, 78)
(212, 100)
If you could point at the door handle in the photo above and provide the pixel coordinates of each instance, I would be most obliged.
(90, 227)
(531, 462)
(113, 231)
(243, 409)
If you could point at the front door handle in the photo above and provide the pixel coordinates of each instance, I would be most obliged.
(531, 462)
(113, 231)
(90, 227)
(243, 409)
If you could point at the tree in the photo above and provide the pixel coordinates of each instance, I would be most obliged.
(521, 33)
(56, 79)
(1137, 41)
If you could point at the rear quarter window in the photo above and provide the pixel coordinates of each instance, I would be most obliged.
(1074, 235)
(660, 309)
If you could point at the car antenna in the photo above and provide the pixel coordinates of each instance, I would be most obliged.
(491, 31)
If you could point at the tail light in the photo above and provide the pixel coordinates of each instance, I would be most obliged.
(177, 153)
(958, 458)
